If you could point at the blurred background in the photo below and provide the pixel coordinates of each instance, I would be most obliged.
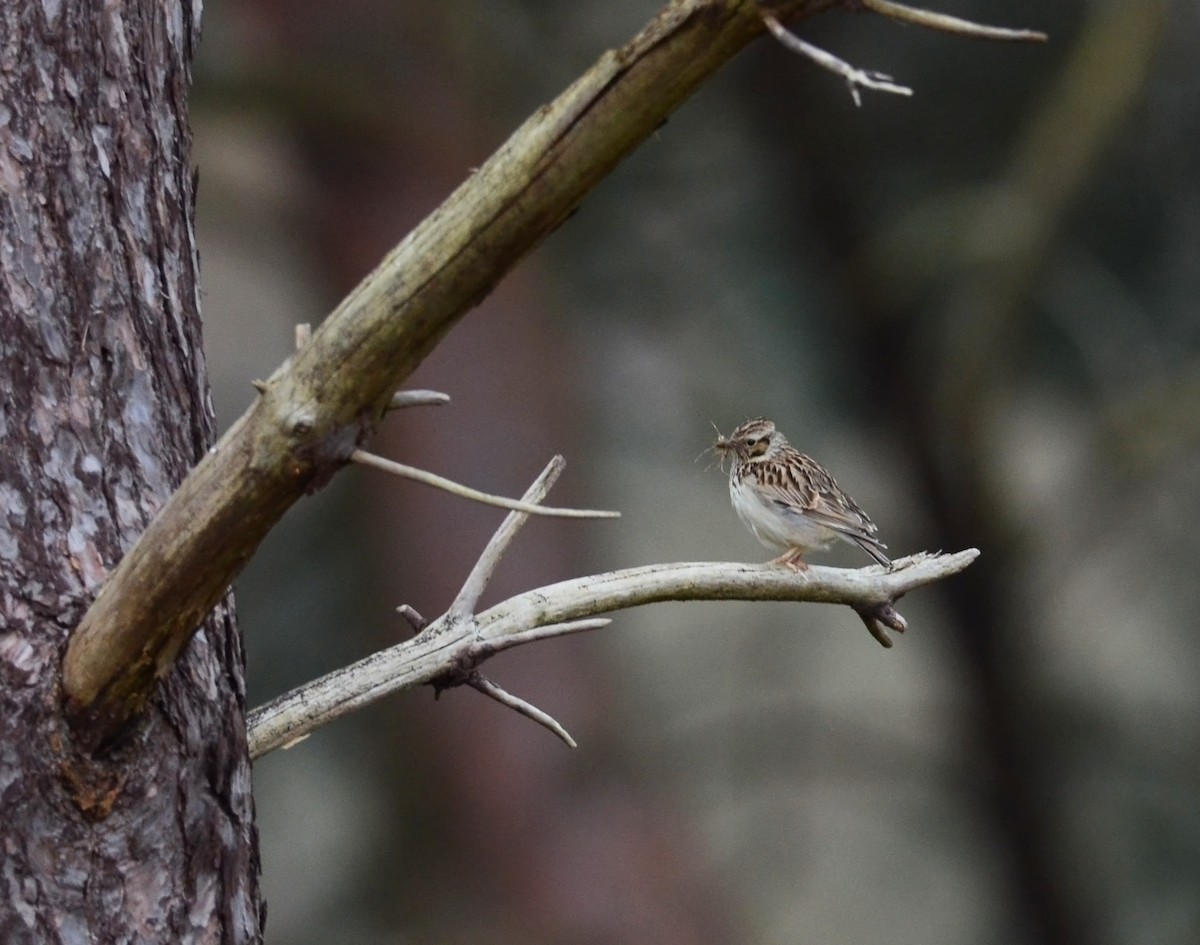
(974, 306)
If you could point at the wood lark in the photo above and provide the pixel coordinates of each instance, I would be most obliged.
(788, 500)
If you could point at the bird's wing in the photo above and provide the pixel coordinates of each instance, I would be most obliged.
(805, 487)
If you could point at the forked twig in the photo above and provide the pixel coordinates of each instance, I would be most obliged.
(878, 81)
(855, 78)
(460, 617)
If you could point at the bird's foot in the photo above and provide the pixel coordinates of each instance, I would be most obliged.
(792, 558)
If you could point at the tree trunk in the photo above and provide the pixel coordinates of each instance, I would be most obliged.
(104, 409)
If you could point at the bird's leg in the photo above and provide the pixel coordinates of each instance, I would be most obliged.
(791, 559)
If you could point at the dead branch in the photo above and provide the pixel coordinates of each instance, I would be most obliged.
(878, 81)
(855, 78)
(466, 492)
(950, 24)
(448, 651)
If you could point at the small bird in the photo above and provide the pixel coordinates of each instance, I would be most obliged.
(788, 500)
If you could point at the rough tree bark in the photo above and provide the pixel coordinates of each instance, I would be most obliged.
(105, 408)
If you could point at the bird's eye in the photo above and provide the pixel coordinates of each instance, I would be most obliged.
(756, 445)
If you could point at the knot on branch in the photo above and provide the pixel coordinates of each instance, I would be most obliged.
(462, 671)
(880, 618)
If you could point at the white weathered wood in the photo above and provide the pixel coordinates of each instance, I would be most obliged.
(447, 646)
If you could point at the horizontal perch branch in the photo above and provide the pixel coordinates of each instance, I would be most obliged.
(442, 648)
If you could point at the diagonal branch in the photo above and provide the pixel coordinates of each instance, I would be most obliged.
(855, 78)
(326, 400)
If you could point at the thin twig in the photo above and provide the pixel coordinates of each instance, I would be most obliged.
(477, 581)
(414, 619)
(950, 24)
(492, 691)
(544, 611)
(417, 398)
(855, 78)
(466, 492)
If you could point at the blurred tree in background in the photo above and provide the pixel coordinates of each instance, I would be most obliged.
(974, 306)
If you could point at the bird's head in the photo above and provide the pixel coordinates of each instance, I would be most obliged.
(754, 441)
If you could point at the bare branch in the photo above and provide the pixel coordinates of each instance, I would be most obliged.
(466, 492)
(950, 24)
(633, 587)
(477, 581)
(855, 78)
(445, 648)
(492, 691)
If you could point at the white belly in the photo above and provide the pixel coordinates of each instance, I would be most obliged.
(776, 527)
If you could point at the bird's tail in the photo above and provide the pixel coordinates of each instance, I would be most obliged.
(874, 548)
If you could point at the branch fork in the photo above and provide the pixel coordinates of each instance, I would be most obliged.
(462, 612)
(460, 620)
(449, 651)
(856, 78)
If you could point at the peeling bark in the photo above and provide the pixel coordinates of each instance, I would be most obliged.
(104, 409)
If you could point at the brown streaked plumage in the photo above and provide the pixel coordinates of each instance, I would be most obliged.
(788, 500)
